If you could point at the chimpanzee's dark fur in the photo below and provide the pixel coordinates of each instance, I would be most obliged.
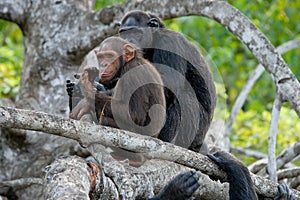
(167, 47)
(241, 186)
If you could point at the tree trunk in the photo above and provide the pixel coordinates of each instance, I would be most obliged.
(57, 36)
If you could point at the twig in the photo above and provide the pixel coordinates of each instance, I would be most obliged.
(248, 152)
(272, 166)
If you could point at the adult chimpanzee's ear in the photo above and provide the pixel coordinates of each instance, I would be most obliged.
(128, 52)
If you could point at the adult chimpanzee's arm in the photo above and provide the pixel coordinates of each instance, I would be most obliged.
(240, 183)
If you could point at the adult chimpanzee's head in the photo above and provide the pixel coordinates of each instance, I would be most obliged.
(137, 27)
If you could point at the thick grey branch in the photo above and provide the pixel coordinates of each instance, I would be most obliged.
(288, 173)
(13, 10)
(89, 134)
(295, 183)
(286, 156)
(71, 176)
(67, 177)
(21, 183)
(254, 76)
(258, 165)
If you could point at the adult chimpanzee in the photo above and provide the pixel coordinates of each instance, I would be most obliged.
(241, 186)
(188, 118)
(138, 101)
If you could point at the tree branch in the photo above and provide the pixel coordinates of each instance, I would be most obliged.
(254, 76)
(88, 134)
(13, 10)
(125, 181)
(248, 152)
(272, 167)
(67, 177)
(286, 156)
(21, 183)
(258, 165)
(288, 173)
(295, 183)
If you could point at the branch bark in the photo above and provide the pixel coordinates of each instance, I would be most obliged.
(21, 183)
(272, 167)
(13, 10)
(88, 134)
(67, 177)
(124, 182)
(286, 156)
(289, 173)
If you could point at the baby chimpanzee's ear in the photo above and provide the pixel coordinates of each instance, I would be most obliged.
(128, 52)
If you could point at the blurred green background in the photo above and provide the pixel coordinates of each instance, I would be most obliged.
(277, 19)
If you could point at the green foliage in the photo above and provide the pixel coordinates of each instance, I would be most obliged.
(102, 3)
(251, 130)
(11, 58)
